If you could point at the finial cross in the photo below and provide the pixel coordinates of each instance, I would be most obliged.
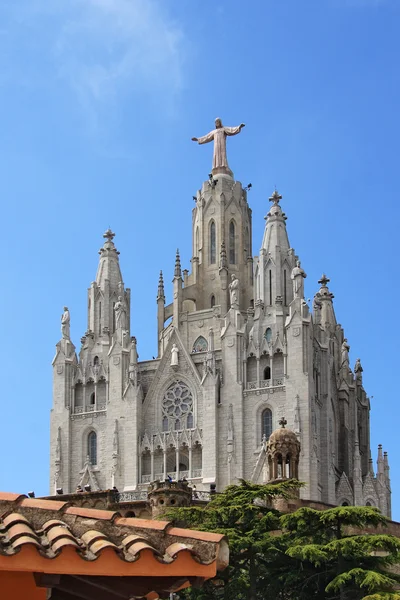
(276, 197)
(324, 280)
(283, 422)
(109, 235)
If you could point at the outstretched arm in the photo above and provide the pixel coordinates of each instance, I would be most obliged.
(205, 139)
(234, 130)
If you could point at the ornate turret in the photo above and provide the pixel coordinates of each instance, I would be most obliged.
(164, 495)
(283, 452)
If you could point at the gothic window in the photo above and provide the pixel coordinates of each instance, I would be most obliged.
(92, 448)
(267, 373)
(212, 302)
(177, 403)
(95, 361)
(266, 423)
(177, 425)
(189, 421)
(213, 243)
(232, 254)
(268, 334)
(92, 398)
(200, 345)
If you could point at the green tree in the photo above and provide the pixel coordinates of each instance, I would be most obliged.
(337, 554)
(326, 555)
(244, 514)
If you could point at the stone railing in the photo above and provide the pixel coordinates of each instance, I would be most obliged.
(79, 410)
(134, 496)
(266, 383)
(196, 473)
(200, 495)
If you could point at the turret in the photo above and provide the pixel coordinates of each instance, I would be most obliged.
(160, 310)
(177, 282)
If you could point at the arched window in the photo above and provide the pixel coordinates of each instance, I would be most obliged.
(345, 503)
(165, 424)
(95, 361)
(232, 253)
(200, 345)
(268, 334)
(92, 398)
(177, 425)
(92, 448)
(213, 243)
(189, 421)
(266, 423)
(212, 301)
(267, 373)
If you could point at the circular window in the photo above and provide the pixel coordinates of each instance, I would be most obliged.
(177, 402)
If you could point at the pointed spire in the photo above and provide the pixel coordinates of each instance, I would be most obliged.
(223, 262)
(160, 291)
(108, 268)
(323, 302)
(380, 464)
(371, 466)
(177, 271)
(386, 468)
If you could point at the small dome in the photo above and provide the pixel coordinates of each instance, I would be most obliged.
(283, 435)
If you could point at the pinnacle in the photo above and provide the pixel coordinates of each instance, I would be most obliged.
(109, 235)
(324, 280)
(177, 271)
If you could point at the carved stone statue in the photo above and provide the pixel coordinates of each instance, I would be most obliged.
(234, 292)
(120, 313)
(220, 161)
(358, 369)
(65, 324)
(345, 353)
(174, 355)
(298, 275)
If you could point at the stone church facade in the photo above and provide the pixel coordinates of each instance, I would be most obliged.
(238, 349)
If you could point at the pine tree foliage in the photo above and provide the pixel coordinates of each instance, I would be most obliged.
(341, 553)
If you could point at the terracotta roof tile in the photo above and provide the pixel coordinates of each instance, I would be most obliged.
(91, 513)
(142, 523)
(51, 526)
(10, 497)
(42, 504)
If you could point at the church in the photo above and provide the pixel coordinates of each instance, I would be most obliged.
(240, 354)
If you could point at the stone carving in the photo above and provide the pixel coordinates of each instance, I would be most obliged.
(174, 356)
(219, 135)
(234, 292)
(358, 369)
(120, 313)
(298, 275)
(345, 353)
(65, 324)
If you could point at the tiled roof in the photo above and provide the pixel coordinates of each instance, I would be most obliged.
(102, 542)
(51, 525)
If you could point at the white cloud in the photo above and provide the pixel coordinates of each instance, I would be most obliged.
(107, 51)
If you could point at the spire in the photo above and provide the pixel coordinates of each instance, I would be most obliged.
(275, 233)
(223, 262)
(323, 302)
(386, 468)
(380, 464)
(160, 291)
(109, 268)
(177, 271)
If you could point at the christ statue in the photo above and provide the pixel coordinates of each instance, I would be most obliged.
(220, 162)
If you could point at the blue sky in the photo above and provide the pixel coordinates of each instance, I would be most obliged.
(99, 100)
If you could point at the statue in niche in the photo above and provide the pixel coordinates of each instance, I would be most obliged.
(65, 324)
(120, 313)
(234, 291)
(219, 134)
(345, 353)
(298, 275)
(174, 355)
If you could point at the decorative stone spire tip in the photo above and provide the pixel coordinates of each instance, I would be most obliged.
(283, 422)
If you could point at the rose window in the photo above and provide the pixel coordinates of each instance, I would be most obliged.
(178, 404)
